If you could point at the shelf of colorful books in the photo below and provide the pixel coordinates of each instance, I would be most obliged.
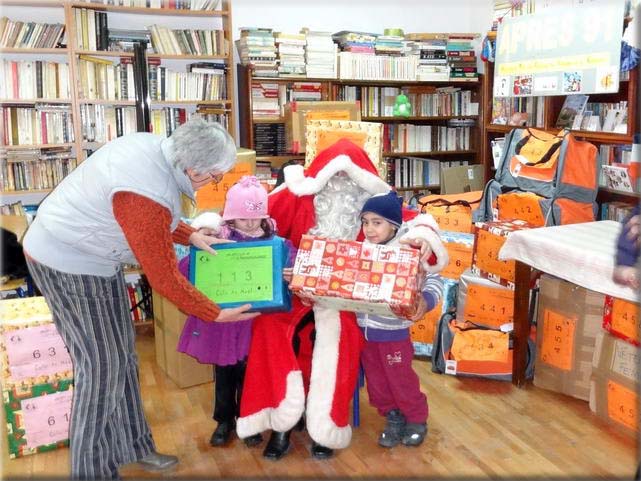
(190, 102)
(36, 146)
(150, 11)
(106, 102)
(425, 118)
(430, 153)
(436, 83)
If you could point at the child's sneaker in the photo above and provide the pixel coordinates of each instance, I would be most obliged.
(391, 435)
(414, 434)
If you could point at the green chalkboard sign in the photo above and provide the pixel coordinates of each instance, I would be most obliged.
(243, 272)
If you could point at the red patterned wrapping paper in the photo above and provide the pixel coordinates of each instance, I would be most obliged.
(356, 276)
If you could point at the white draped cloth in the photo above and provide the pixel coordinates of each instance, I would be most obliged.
(583, 254)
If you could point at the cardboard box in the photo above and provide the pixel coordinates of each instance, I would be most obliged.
(37, 417)
(569, 319)
(212, 196)
(460, 248)
(321, 134)
(31, 350)
(182, 369)
(484, 302)
(359, 277)
(297, 114)
(621, 318)
(614, 384)
(489, 237)
(422, 331)
(464, 178)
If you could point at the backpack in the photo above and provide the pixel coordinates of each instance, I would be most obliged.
(452, 212)
(544, 179)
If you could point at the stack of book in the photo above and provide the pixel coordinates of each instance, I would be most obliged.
(31, 169)
(357, 42)
(461, 56)
(320, 54)
(430, 51)
(270, 139)
(265, 100)
(291, 53)
(305, 91)
(388, 45)
(257, 49)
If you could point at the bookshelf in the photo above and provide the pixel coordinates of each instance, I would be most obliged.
(552, 105)
(92, 67)
(436, 104)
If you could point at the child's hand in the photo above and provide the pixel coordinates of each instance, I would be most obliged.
(421, 309)
(422, 245)
(287, 274)
(203, 241)
(627, 276)
(236, 314)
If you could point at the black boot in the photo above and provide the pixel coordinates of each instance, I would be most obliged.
(321, 452)
(278, 445)
(252, 441)
(222, 433)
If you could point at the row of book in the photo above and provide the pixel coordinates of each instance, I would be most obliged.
(198, 5)
(203, 81)
(18, 34)
(34, 169)
(399, 138)
(188, 41)
(41, 124)
(404, 172)
(618, 168)
(34, 79)
(101, 79)
(269, 99)
(615, 210)
(518, 111)
(164, 121)
(12, 208)
(140, 300)
(579, 114)
(362, 66)
(425, 101)
(102, 123)
(270, 139)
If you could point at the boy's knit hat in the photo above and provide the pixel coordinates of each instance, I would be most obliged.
(388, 206)
(246, 199)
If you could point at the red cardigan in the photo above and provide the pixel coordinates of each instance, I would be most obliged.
(147, 227)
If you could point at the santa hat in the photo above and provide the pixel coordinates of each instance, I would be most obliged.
(343, 156)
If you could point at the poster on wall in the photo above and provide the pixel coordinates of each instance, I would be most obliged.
(560, 51)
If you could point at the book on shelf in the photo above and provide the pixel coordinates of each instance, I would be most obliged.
(573, 107)
(618, 178)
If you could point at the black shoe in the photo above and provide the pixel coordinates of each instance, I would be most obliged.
(300, 425)
(321, 452)
(221, 435)
(253, 441)
(278, 445)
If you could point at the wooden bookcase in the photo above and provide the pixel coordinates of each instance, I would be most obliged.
(63, 11)
(331, 90)
(628, 91)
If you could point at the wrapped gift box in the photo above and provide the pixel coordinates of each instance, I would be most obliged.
(422, 331)
(489, 237)
(484, 302)
(353, 276)
(460, 247)
(569, 319)
(614, 384)
(31, 350)
(37, 417)
(243, 272)
(621, 318)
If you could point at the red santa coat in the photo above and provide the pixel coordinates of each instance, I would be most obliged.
(274, 389)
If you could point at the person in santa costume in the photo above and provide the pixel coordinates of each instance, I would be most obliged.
(319, 380)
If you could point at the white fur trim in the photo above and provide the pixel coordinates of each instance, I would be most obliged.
(209, 220)
(299, 185)
(282, 418)
(425, 227)
(322, 385)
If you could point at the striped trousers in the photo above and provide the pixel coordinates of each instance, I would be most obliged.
(108, 426)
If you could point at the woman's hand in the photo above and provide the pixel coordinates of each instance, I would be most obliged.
(203, 239)
(633, 229)
(234, 314)
(422, 245)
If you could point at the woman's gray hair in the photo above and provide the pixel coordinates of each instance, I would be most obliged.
(203, 146)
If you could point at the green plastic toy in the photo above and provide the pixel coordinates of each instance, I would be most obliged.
(402, 106)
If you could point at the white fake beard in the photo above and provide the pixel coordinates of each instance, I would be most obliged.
(337, 207)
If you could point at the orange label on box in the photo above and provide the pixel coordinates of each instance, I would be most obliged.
(212, 196)
(623, 405)
(488, 246)
(452, 220)
(557, 345)
(328, 115)
(328, 138)
(460, 259)
(489, 306)
(521, 205)
(480, 345)
(423, 329)
(625, 318)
